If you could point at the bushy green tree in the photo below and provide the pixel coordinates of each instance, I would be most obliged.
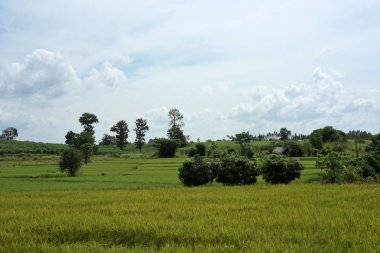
(333, 165)
(316, 139)
(140, 130)
(87, 120)
(278, 169)
(200, 149)
(175, 131)
(107, 140)
(9, 134)
(284, 134)
(87, 151)
(70, 162)
(195, 172)
(236, 170)
(166, 147)
(121, 130)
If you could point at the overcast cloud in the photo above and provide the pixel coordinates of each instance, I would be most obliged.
(229, 66)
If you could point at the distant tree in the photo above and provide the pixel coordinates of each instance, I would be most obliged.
(121, 130)
(9, 134)
(140, 130)
(70, 137)
(87, 120)
(284, 134)
(195, 172)
(200, 149)
(241, 138)
(166, 147)
(175, 131)
(278, 169)
(70, 162)
(316, 139)
(108, 140)
(87, 151)
(333, 164)
(234, 170)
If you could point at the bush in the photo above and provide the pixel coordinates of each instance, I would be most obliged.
(195, 172)
(334, 166)
(277, 169)
(294, 149)
(200, 149)
(70, 162)
(235, 170)
(166, 147)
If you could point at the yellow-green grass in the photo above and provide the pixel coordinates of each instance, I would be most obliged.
(102, 174)
(260, 218)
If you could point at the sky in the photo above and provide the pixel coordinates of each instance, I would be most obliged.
(228, 66)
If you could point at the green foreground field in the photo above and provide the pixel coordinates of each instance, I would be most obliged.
(139, 205)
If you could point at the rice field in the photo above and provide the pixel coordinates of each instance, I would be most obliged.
(140, 206)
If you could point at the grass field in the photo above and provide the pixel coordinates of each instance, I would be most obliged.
(139, 205)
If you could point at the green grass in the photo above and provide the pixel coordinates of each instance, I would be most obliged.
(139, 205)
(263, 218)
(105, 173)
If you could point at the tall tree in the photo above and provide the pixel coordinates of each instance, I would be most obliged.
(87, 120)
(141, 128)
(284, 134)
(9, 134)
(121, 130)
(175, 124)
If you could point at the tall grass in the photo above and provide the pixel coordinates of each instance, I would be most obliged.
(290, 218)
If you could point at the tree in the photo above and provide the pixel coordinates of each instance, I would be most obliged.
(70, 137)
(9, 134)
(87, 151)
(166, 147)
(316, 139)
(277, 169)
(285, 134)
(175, 124)
(87, 120)
(334, 165)
(200, 149)
(235, 170)
(121, 130)
(70, 162)
(140, 130)
(108, 140)
(195, 172)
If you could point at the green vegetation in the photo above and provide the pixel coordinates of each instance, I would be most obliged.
(266, 218)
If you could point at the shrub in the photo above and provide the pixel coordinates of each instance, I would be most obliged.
(334, 165)
(294, 149)
(166, 147)
(277, 169)
(235, 170)
(195, 172)
(200, 149)
(70, 162)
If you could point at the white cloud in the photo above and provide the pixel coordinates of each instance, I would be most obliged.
(42, 72)
(107, 75)
(324, 99)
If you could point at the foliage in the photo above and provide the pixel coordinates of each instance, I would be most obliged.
(175, 131)
(195, 172)
(234, 170)
(285, 134)
(140, 130)
(358, 135)
(9, 134)
(375, 144)
(334, 165)
(277, 169)
(316, 139)
(241, 138)
(200, 149)
(70, 161)
(108, 140)
(166, 147)
(121, 130)
(87, 151)
(87, 120)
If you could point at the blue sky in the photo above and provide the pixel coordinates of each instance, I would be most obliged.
(229, 66)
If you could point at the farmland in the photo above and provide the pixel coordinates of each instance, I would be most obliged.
(139, 205)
